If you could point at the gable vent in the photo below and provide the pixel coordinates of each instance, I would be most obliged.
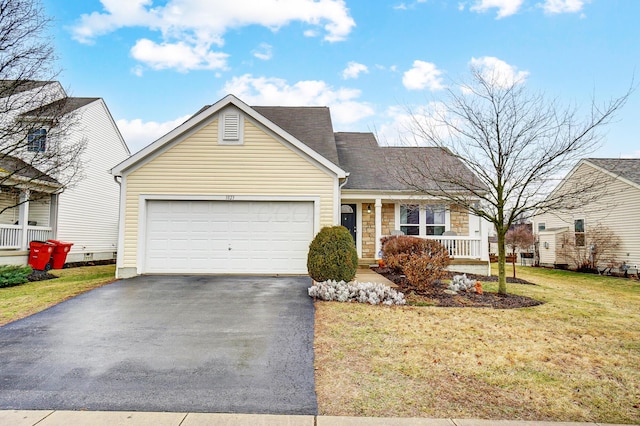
(231, 126)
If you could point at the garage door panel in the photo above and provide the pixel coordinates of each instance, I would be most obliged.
(227, 237)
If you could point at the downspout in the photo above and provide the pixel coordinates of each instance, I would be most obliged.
(346, 179)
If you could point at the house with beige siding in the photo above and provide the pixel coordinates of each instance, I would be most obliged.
(616, 207)
(241, 189)
(35, 206)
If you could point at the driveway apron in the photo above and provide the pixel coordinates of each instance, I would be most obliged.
(225, 344)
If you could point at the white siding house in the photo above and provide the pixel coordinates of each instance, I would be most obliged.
(85, 213)
(88, 211)
(617, 208)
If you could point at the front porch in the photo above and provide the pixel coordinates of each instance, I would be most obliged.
(465, 236)
(25, 217)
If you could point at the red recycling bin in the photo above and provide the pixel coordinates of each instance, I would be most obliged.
(60, 251)
(39, 255)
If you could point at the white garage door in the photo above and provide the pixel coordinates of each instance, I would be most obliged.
(228, 237)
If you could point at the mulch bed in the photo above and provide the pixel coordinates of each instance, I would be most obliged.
(436, 296)
(40, 276)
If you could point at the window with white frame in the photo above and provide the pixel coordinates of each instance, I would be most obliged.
(541, 226)
(37, 140)
(423, 220)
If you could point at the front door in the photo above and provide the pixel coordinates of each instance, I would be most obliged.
(348, 214)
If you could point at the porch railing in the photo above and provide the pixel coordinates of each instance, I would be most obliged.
(11, 235)
(459, 247)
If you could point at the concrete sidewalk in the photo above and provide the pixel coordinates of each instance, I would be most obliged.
(110, 418)
(366, 275)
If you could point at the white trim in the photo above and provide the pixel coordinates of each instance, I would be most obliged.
(359, 229)
(399, 196)
(181, 132)
(337, 203)
(144, 198)
(378, 227)
(121, 223)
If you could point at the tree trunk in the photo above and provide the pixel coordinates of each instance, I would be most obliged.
(502, 260)
(513, 261)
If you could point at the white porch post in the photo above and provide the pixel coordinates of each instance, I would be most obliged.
(23, 218)
(378, 226)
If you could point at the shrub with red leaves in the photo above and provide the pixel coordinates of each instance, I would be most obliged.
(424, 262)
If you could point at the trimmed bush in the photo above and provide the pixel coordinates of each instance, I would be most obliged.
(423, 261)
(332, 255)
(372, 293)
(11, 275)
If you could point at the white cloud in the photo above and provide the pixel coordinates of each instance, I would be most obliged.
(562, 6)
(138, 134)
(423, 75)
(505, 7)
(264, 52)
(401, 126)
(344, 104)
(497, 71)
(181, 56)
(192, 27)
(353, 70)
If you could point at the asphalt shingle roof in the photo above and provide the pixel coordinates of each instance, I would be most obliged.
(310, 125)
(375, 167)
(59, 108)
(15, 166)
(13, 87)
(628, 168)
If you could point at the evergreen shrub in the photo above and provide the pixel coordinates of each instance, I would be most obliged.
(11, 275)
(332, 255)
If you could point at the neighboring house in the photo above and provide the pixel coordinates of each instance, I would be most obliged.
(617, 208)
(240, 189)
(85, 214)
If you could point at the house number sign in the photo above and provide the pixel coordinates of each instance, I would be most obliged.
(230, 197)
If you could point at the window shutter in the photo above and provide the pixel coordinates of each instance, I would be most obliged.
(231, 126)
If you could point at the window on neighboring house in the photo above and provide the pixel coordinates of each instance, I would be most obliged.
(541, 226)
(578, 229)
(422, 220)
(37, 140)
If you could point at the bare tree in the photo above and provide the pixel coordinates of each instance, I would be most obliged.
(597, 246)
(519, 237)
(38, 147)
(516, 142)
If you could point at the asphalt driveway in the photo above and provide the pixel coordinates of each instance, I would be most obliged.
(225, 344)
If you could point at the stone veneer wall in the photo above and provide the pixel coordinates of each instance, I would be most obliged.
(368, 232)
(369, 227)
(459, 220)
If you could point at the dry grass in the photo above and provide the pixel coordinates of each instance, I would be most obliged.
(575, 358)
(27, 299)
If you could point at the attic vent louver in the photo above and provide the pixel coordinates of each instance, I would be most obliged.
(231, 126)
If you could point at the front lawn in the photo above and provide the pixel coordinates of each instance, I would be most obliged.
(574, 358)
(27, 299)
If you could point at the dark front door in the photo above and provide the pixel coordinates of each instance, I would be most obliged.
(348, 214)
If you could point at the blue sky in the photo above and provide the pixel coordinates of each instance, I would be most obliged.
(157, 62)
